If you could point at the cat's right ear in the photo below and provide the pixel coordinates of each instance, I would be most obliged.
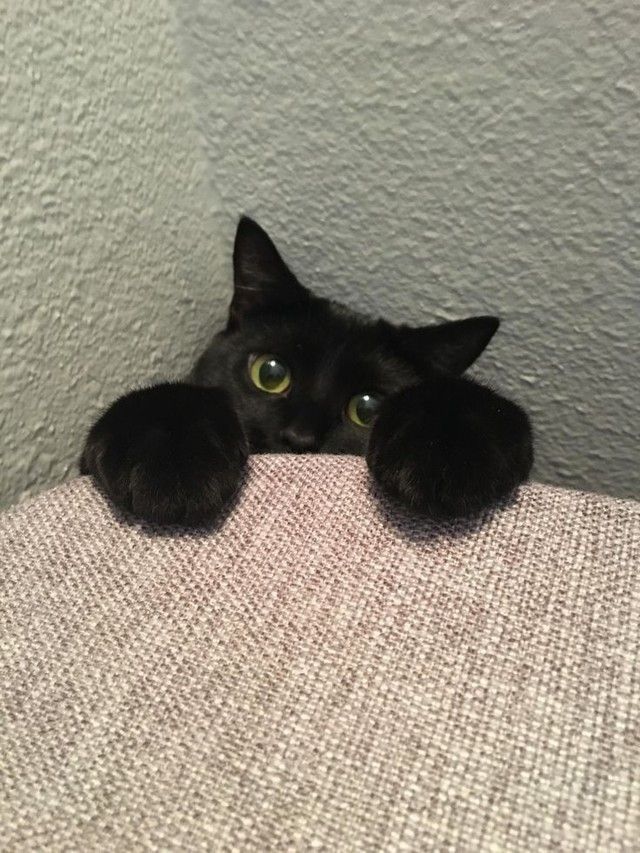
(262, 282)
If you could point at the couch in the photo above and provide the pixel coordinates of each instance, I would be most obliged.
(320, 670)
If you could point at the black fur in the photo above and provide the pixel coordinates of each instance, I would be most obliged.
(470, 447)
(441, 444)
(170, 453)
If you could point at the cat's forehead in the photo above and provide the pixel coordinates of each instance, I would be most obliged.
(322, 334)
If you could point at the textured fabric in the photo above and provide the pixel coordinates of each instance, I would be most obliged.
(320, 672)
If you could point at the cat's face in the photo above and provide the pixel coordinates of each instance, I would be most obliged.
(306, 374)
(293, 377)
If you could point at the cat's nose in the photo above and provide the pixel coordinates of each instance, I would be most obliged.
(300, 439)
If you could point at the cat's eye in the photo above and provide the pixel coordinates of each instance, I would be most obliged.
(270, 374)
(362, 409)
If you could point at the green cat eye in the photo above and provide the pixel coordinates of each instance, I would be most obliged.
(362, 409)
(270, 374)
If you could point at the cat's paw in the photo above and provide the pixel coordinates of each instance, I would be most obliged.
(170, 454)
(450, 447)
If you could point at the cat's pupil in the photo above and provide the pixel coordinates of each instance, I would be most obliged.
(272, 373)
(366, 408)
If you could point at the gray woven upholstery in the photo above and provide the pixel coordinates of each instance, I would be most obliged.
(322, 672)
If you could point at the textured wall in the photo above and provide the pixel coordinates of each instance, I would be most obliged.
(435, 160)
(417, 161)
(108, 251)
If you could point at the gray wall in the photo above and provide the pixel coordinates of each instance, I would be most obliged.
(417, 161)
(433, 160)
(108, 252)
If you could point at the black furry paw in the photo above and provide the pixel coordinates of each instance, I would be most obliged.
(450, 447)
(170, 454)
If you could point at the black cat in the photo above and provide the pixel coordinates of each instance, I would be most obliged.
(295, 373)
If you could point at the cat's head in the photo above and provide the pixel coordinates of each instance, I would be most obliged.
(305, 373)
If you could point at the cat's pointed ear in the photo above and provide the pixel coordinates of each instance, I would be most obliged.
(449, 347)
(261, 279)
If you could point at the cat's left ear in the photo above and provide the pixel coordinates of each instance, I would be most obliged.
(262, 281)
(448, 347)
